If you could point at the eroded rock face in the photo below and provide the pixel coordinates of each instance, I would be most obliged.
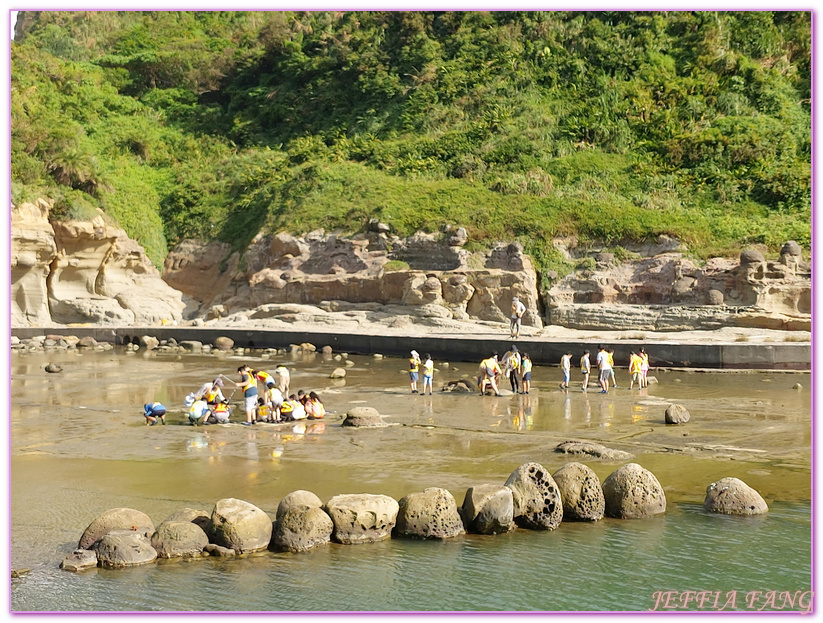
(732, 496)
(362, 517)
(488, 509)
(581, 492)
(632, 492)
(302, 528)
(666, 291)
(179, 539)
(316, 269)
(430, 514)
(124, 548)
(83, 271)
(537, 502)
(116, 519)
(592, 449)
(239, 525)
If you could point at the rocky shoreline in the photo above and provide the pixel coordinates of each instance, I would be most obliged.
(530, 499)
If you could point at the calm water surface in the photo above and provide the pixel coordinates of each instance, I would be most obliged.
(79, 447)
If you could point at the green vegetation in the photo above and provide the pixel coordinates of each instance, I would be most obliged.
(611, 126)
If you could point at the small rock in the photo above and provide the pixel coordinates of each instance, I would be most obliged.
(124, 548)
(592, 449)
(54, 368)
(192, 346)
(87, 342)
(364, 417)
(677, 414)
(349, 363)
(797, 386)
(377, 356)
(148, 342)
(219, 550)
(224, 343)
(338, 373)
(326, 350)
(79, 560)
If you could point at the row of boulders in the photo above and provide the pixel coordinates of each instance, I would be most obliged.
(57, 342)
(531, 498)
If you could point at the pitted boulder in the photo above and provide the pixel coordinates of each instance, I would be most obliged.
(224, 343)
(79, 560)
(179, 539)
(580, 491)
(239, 525)
(364, 417)
(732, 496)
(488, 509)
(196, 516)
(429, 514)
(116, 519)
(592, 449)
(537, 502)
(302, 528)
(677, 414)
(298, 499)
(632, 492)
(362, 517)
(124, 548)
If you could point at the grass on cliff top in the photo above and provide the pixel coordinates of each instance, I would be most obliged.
(608, 207)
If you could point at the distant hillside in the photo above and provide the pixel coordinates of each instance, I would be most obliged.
(612, 126)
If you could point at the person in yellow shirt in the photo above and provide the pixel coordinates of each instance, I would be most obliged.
(488, 374)
(414, 370)
(634, 369)
(610, 353)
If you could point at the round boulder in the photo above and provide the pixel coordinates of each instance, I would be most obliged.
(239, 525)
(488, 509)
(732, 496)
(179, 539)
(537, 502)
(124, 548)
(116, 519)
(791, 248)
(430, 514)
(297, 499)
(54, 368)
(581, 492)
(632, 492)
(714, 297)
(677, 414)
(362, 517)
(364, 417)
(751, 256)
(224, 343)
(195, 516)
(301, 528)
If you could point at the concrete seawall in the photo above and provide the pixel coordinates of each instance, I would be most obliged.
(731, 355)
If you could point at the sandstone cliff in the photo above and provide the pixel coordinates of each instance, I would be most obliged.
(427, 271)
(82, 272)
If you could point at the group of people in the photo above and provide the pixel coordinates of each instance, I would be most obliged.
(638, 368)
(514, 366)
(266, 404)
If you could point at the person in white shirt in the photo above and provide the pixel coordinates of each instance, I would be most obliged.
(605, 369)
(428, 373)
(518, 309)
(566, 366)
(585, 369)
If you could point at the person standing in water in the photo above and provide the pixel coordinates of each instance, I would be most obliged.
(414, 370)
(526, 368)
(283, 379)
(248, 384)
(511, 365)
(428, 373)
(566, 367)
(644, 367)
(585, 369)
(605, 369)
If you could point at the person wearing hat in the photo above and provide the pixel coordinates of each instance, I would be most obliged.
(414, 368)
(511, 367)
(518, 309)
(211, 392)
